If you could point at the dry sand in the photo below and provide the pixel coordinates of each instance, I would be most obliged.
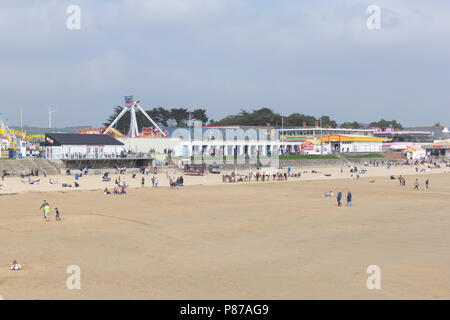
(272, 240)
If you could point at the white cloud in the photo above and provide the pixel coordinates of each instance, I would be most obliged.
(225, 55)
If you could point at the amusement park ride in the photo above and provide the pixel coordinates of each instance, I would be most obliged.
(131, 105)
(14, 136)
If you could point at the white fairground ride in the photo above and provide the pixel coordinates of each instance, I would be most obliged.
(131, 105)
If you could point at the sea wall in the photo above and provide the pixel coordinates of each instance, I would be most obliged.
(16, 165)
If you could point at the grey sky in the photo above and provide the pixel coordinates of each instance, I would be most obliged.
(314, 57)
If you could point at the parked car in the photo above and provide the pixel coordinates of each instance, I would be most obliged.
(214, 168)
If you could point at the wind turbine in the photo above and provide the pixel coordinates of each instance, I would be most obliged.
(131, 105)
(50, 117)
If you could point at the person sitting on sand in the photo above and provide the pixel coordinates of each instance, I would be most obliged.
(106, 191)
(15, 266)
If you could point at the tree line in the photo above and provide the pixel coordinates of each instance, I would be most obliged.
(260, 117)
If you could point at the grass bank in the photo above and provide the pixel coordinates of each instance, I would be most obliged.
(367, 155)
(308, 156)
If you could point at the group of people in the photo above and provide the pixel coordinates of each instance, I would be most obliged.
(339, 197)
(120, 187)
(402, 182)
(173, 183)
(154, 180)
(121, 170)
(258, 176)
(416, 184)
(45, 206)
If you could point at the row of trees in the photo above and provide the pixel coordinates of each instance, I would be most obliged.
(260, 117)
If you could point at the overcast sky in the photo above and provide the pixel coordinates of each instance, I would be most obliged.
(314, 57)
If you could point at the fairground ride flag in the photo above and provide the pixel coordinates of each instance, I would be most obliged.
(128, 101)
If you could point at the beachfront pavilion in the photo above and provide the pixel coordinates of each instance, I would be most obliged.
(353, 143)
(60, 146)
(300, 134)
(236, 147)
(438, 148)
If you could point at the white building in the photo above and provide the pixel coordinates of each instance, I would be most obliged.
(353, 143)
(81, 146)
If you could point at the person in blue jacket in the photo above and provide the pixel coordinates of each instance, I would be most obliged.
(338, 198)
(349, 198)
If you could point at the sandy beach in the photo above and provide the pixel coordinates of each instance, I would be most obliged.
(214, 240)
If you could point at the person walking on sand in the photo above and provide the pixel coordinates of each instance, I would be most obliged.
(142, 182)
(46, 212)
(57, 217)
(45, 203)
(427, 183)
(349, 199)
(416, 185)
(338, 198)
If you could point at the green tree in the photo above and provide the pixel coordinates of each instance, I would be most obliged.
(259, 117)
(160, 115)
(327, 122)
(180, 115)
(386, 124)
(297, 119)
(200, 114)
(351, 125)
(123, 124)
